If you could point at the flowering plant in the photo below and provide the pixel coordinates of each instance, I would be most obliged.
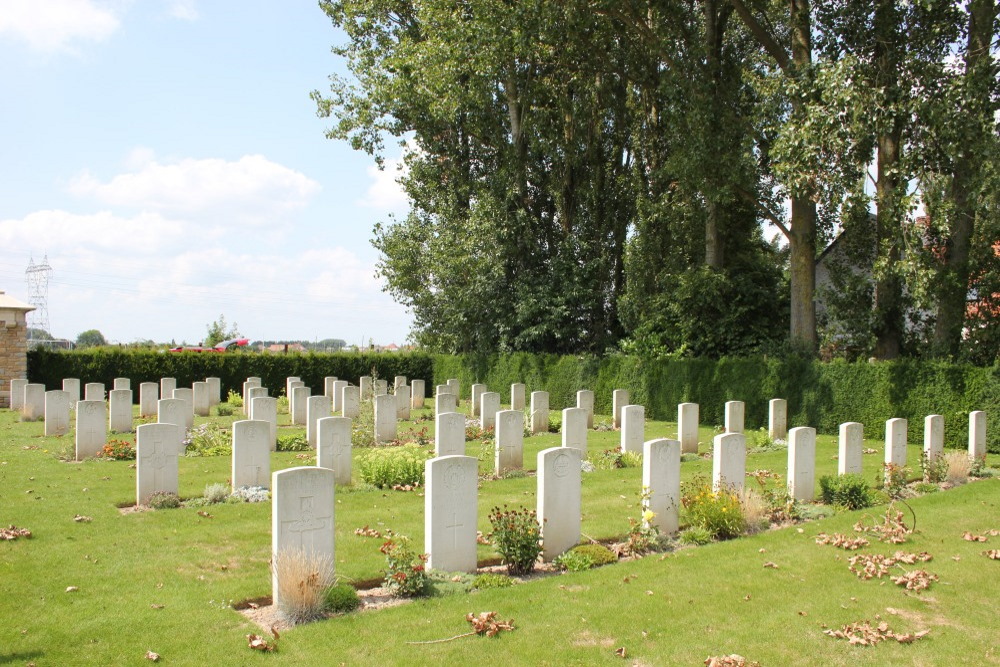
(405, 573)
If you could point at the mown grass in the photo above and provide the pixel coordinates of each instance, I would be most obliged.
(164, 580)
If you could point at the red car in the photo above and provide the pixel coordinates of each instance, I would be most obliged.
(223, 346)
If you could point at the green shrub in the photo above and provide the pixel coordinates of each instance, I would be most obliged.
(293, 443)
(695, 535)
(216, 493)
(517, 537)
(341, 598)
(597, 553)
(283, 405)
(573, 561)
(611, 459)
(118, 450)
(208, 439)
(492, 580)
(849, 491)
(224, 410)
(405, 573)
(718, 512)
(234, 399)
(391, 466)
(163, 500)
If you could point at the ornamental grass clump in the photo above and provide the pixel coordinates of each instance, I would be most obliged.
(405, 572)
(386, 467)
(718, 512)
(517, 537)
(304, 578)
(208, 439)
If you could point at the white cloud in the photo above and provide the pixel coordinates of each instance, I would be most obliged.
(252, 190)
(184, 10)
(57, 230)
(55, 25)
(385, 193)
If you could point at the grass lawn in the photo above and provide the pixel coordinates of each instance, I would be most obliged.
(164, 580)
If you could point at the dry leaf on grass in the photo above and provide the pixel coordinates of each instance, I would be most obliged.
(969, 537)
(892, 528)
(915, 580)
(72, 589)
(771, 565)
(12, 532)
(79, 518)
(910, 559)
(481, 539)
(205, 514)
(993, 554)
(731, 660)
(258, 643)
(863, 633)
(842, 541)
(621, 652)
(487, 624)
(367, 532)
(155, 657)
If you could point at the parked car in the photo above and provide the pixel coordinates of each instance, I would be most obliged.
(222, 346)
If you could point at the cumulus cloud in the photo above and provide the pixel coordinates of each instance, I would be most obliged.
(385, 193)
(63, 230)
(185, 10)
(57, 25)
(251, 190)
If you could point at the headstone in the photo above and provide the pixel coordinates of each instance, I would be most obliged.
(122, 383)
(385, 417)
(93, 391)
(445, 403)
(509, 453)
(477, 391)
(251, 453)
(247, 386)
(851, 444)
(418, 393)
(539, 412)
(729, 462)
(366, 387)
(619, 399)
(977, 435)
(559, 499)
(777, 419)
(167, 386)
(338, 395)
(255, 381)
(455, 387)
(449, 434)
(34, 402)
(149, 394)
(328, 385)
(333, 449)
(489, 406)
(120, 410)
(802, 463)
(299, 404)
(661, 484)
(585, 400)
(72, 387)
(380, 387)
(253, 393)
(933, 437)
(317, 407)
(265, 409)
(403, 403)
(187, 395)
(895, 442)
(517, 396)
(450, 513)
(687, 427)
(734, 416)
(292, 382)
(350, 402)
(302, 516)
(214, 390)
(574, 429)
(57, 404)
(17, 386)
(171, 411)
(91, 428)
(199, 396)
(398, 381)
(157, 447)
(633, 428)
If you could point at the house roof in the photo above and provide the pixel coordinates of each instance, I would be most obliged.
(8, 302)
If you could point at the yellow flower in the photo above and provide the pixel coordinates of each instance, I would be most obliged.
(648, 515)
(724, 509)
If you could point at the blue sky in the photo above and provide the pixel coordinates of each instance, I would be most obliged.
(166, 158)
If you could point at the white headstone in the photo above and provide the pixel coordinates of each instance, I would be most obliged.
(489, 406)
(338, 394)
(574, 429)
(157, 447)
(729, 462)
(253, 393)
(585, 400)
(317, 407)
(91, 428)
(455, 387)
(450, 513)
(385, 417)
(328, 385)
(933, 437)
(517, 396)
(777, 419)
(265, 409)
(477, 391)
(120, 410)
(895, 442)
(687, 427)
(509, 453)
(350, 402)
(445, 403)
(171, 411)
(57, 404)
(93, 391)
(122, 383)
(187, 395)
(72, 387)
(403, 403)
(149, 394)
(633, 428)
(202, 403)
(735, 411)
(302, 516)
(441, 389)
(251, 453)
(34, 402)
(398, 381)
(850, 445)
(661, 483)
(167, 386)
(366, 387)
(559, 499)
(380, 387)
(292, 382)
(802, 463)
(449, 434)
(418, 393)
(298, 405)
(247, 386)
(977, 435)
(334, 447)
(214, 390)
(17, 386)
(539, 412)
(619, 399)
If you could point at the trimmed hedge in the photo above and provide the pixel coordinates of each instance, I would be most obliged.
(819, 394)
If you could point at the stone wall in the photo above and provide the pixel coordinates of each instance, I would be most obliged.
(13, 351)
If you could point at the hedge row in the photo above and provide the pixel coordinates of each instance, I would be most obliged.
(819, 394)
(822, 395)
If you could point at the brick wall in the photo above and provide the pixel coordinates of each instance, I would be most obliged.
(13, 352)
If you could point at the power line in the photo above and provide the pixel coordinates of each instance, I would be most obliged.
(37, 276)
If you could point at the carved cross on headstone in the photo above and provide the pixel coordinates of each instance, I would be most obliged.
(157, 460)
(453, 527)
(308, 524)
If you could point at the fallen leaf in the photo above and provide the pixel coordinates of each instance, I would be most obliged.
(969, 537)
(157, 606)
(79, 518)
(620, 652)
(205, 514)
(12, 532)
(993, 554)
(72, 589)
(915, 580)
(771, 565)
(863, 633)
(731, 660)
(152, 656)
(487, 624)
(258, 643)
